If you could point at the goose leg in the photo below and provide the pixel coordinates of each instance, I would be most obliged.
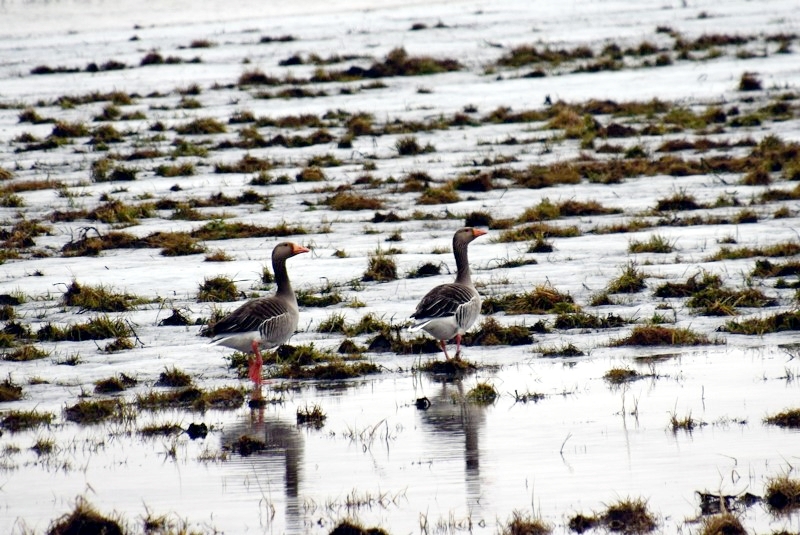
(254, 371)
(458, 346)
(443, 344)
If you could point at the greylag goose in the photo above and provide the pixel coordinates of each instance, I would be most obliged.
(448, 310)
(268, 321)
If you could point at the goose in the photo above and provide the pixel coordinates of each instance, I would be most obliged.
(448, 310)
(264, 322)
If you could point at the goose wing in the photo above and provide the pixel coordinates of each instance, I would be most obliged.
(255, 315)
(445, 300)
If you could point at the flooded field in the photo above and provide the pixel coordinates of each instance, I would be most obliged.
(636, 167)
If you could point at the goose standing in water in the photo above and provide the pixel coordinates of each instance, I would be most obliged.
(266, 322)
(448, 310)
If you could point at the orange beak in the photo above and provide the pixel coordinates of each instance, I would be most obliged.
(478, 232)
(297, 249)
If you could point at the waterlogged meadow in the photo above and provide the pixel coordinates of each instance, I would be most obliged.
(635, 366)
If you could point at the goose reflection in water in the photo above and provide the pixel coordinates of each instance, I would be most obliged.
(272, 439)
(450, 414)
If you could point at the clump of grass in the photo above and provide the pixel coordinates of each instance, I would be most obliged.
(84, 519)
(765, 268)
(625, 516)
(656, 244)
(159, 430)
(564, 350)
(336, 369)
(218, 255)
(44, 446)
(782, 321)
(781, 249)
(679, 201)
(25, 353)
(720, 301)
(173, 170)
(351, 527)
(327, 296)
(491, 333)
(631, 280)
(787, 418)
(14, 421)
(537, 231)
(192, 398)
(200, 126)
(618, 376)
(687, 423)
(426, 269)
(524, 524)
(98, 298)
(119, 344)
(583, 320)
(543, 299)
(749, 81)
(117, 212)
(97, 328)
(174, 377)
(217, 290)
(656, 335)
(724, 523)
(454, 367)
(381, 267)
(117, 383)
(345, 200)
(445, 194)
(312, 416)
(690, 287)
(409, 146)
(783, 494)
(175, 243)
(310, 174)
(95, 411)
(629, 516)
(483, 393)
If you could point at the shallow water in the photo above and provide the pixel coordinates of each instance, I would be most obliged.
(383, 461)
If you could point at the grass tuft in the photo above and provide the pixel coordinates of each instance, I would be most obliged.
(783, 494)
(311, 416)
(217, 289)
(14, 421)
(655, 335)
(483, 393)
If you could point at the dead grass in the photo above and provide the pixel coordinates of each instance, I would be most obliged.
(631, 280)
(312, 416)
(9, 390)
(491, 333)
(780, 322)
(98, 299)
(618, 376)
(84, 519)
(788, 418)
(783, 494)
(381, 267)
(15, 421)
(655, 335)
(483, 393)
(722, 524)
(628, 516)
(543, 299)
(87, 412)
(217, 289)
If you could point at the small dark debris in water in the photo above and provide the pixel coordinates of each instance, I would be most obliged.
(245, 446)
(176, 319)
(528, 396)
(84, 520)
(713, 504)
(423, 404)
(257, 403)
(197, 430)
